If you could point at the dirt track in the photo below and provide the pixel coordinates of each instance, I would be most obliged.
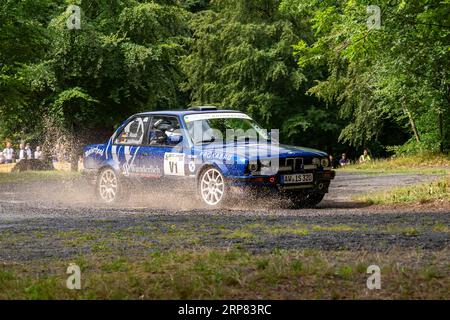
(61, 220)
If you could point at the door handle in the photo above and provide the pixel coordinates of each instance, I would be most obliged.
(145, 154)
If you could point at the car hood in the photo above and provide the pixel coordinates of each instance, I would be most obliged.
(253, 151)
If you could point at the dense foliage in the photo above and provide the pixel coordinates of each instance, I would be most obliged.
(124, 59)
(399, 72)
(312, 68)
(241, 57)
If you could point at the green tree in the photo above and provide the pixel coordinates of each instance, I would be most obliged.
(241, 58)
(23, 39)
(124, 59)
(397, 73)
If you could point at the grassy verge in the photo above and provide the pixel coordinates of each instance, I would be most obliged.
(32, 176)
(424, 163)
(235, 274)
(205, 259)
(438, 191)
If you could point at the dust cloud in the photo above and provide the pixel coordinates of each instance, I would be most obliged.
(69, 191)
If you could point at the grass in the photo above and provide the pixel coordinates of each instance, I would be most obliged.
(159, 262)
(234, 274)
(298, 229)
(240, 234)
(437, 191)
(334, 228)
(440, 227)
(421, 163)
(33, 176)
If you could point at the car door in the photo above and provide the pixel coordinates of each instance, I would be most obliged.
(163, 153)
(127, 145)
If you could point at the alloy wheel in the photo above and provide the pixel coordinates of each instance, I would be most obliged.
(212, 187)
(108, 186)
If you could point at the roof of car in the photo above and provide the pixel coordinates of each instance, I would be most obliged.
(184, 112)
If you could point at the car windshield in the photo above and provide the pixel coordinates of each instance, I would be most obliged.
(223, 127)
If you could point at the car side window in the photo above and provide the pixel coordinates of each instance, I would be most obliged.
(161, 129)
(133, 132)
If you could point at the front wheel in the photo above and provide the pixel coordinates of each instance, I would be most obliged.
(309, 200)
(109, 189)
(212, 187)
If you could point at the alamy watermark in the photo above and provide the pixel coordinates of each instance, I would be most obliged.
(73, 282)
(374, 280)
(74, 21)
(374, 20)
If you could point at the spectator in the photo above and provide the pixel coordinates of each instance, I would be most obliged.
(331, 159)
(8, 153)
(38, 153)
(80, 164)
(344, 160)
(29, 152)
(365, 157)
(2, 158)
(22, 152)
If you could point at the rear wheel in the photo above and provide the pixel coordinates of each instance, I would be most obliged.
(109, 188)
(212, 187)
(309, 200)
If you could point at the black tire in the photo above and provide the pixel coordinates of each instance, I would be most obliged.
(109, 187)
(212, 188)
(309, 200)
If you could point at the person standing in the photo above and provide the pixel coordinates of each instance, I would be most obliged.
(22, 152)
(38, 153)
(28, 151)
(8, 153)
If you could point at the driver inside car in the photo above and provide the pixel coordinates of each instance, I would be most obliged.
(162, 129)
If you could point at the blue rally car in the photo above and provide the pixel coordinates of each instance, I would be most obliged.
(215, 153)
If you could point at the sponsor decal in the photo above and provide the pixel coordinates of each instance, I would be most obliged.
(144, 170)
(225, 115)
(192, 166)
(92, 151)
(174, 164)
(115, 153)
(108, 147)
(216, 155)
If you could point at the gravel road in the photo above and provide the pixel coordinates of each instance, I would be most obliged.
(56, 220)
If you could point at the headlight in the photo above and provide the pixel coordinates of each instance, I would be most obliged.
(253, 165)
(265, 163)
(325, 162)
(316, 161)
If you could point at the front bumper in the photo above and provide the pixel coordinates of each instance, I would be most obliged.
(321, 182)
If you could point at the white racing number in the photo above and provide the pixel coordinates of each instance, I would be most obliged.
(174, 164)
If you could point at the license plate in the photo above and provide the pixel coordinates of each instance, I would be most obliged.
(298, 178)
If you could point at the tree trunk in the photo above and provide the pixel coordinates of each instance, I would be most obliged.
(441, 132)
(412, 123)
